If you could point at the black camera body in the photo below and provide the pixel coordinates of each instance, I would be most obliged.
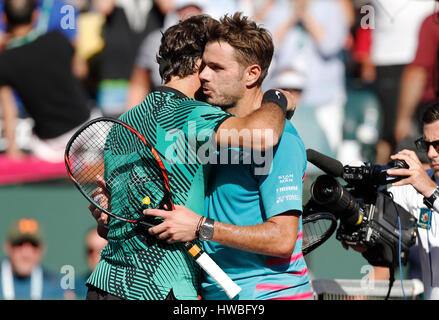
(369, 217)
(379, 231)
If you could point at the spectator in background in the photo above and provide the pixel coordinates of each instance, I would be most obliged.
(393, 46)
(22, 275)
(146, 75)
(326, 27)
(41, 73)
(93, 247)
(50, 14)
(127, 23)
(419, 85)
(287, 70)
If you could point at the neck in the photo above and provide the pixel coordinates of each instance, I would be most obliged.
(187, 85)
(250, 102)
(21, 31)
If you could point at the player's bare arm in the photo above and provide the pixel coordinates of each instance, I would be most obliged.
(275, 237)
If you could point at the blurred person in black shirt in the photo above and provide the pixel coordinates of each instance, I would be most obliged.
(127, 23)
(41, 74)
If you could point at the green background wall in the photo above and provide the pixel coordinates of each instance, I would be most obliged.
(63, 214)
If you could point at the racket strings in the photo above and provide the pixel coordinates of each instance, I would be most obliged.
(316, 231)
(135, 183)
(86, 155)
(133, 177)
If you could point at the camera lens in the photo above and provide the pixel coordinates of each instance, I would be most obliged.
(326, 191)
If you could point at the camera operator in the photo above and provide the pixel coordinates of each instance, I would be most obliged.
(418, 193)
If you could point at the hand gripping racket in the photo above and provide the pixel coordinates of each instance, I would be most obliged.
(135, 179)
(317, 228)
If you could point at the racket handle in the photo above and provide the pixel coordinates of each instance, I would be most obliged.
(213, 270)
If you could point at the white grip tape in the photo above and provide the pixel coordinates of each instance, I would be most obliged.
(213, 270)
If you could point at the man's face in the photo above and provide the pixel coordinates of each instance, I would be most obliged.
(222, 77)
(24, 257)
(431, 133)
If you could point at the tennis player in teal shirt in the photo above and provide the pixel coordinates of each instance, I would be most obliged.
(246, 192)
(240, 195)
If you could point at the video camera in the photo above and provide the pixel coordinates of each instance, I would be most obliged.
(369, 217)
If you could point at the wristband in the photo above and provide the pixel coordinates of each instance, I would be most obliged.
(276, 97)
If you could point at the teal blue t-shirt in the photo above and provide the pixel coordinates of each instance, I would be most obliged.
(247, 189)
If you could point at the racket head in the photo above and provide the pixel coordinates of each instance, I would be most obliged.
(317, 228)
(134, 173)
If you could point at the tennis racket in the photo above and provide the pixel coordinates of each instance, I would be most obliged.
(317, 228)
(135, 179)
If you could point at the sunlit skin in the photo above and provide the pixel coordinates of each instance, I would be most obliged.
(226, 82)
(219, 74)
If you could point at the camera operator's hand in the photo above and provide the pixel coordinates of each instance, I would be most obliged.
(416, 174)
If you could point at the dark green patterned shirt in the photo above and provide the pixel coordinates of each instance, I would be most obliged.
(135, 265)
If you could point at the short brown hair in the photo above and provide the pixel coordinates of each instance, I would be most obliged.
(181, 46)
(253, 44)
(431, 114)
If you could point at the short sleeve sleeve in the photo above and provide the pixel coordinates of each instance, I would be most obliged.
(281, 189)
(205, 120)
(426, 52)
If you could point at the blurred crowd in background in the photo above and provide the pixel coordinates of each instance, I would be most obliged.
(363, 71)
(345, 60)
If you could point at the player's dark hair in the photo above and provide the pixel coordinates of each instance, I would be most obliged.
(18, 12)
(253, 44)
(181, 47)
(431, 114)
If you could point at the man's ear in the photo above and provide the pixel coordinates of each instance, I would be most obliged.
(253, 73)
